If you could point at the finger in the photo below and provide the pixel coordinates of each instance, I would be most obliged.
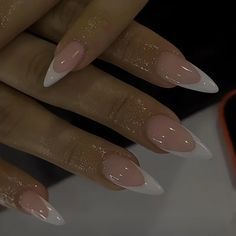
(100, 97)
(72, 149)
(97, 27)
(15, 16)
(20, 191)
(137, 50)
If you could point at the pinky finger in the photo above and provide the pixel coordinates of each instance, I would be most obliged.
(20, 191)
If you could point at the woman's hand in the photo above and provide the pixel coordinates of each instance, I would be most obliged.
(29, 127)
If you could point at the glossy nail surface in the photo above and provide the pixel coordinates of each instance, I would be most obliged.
(127, 174)
(172, 137)
(64, 62)
(35, 205)
(179, 71)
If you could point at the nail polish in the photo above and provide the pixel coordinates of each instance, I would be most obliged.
(179, 71)
(127, 174)
(172, 137)
(35, 205)
(64, 62)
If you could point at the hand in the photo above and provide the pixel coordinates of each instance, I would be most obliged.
(96, 95)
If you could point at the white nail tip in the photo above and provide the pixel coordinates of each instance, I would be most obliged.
(206, 84)
(53, 216)
(200, 150)
(52, 76)
(151, 186)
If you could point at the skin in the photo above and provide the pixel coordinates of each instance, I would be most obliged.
(13, 19)
(135, 50)
(99, 25)
(89, 92)
(13, 182)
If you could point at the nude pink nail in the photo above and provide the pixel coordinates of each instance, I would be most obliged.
(35, 205)
(172, 137)
(125, 173)
(179, 71)
(64, 62)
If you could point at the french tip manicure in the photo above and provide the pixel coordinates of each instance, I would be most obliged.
(169, 135)
(200, 151)
(53, 215)
(52, 76)
(64, 62)
(125, 173)
(150, 186)
(38, 207)
(205, 85)
(180, 72)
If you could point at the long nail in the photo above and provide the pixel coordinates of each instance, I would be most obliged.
(179, 71)
(35, 205)
(64, 63)
(172, 137)
(127, 174)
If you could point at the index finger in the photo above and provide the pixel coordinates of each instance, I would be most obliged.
(16, 16)
(98, 26)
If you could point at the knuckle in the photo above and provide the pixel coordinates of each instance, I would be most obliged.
(37, 67)
(119, 108)
(67, 12)
(101, 21)
(125, 48)
(77, 157)
(71, 153)
(9, 114)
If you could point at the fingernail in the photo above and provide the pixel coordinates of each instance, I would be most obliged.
(179, 71)
(63, 63)
(127, 174)
(172, 137)
(35, 205)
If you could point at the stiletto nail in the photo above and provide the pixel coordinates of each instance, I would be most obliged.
(172, 137)
(179, 71)
(35, 205)
(127, 174)
(64, 63)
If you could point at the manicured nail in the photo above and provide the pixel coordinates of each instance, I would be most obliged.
(127, 174)
(179, 71)
(35, 205)
(64, 62)
(172, 137)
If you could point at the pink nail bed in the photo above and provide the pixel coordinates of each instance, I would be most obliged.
(181, 72)
(69, 57)
(125, 173)
(64, 62)
(176, 69)
(38, 207)
(169, 135)
(122, 172)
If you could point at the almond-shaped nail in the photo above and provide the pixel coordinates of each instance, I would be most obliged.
(127, 174)
(64, 62)
(172, 137)
(179, 71)
(35, 205)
